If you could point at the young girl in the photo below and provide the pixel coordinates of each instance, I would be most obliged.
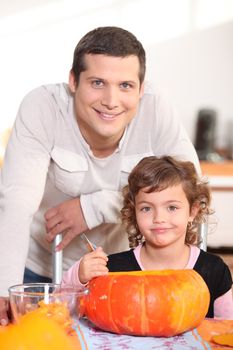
(163, 204)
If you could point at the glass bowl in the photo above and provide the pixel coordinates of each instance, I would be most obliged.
(53, 300)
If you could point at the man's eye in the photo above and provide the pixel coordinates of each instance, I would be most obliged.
(125, 85)
(97, 83)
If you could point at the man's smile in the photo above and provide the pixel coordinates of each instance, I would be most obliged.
(107, 116)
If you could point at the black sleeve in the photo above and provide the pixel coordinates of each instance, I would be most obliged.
(216, 275)
(124, 261)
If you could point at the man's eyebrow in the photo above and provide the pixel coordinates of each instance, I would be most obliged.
(128, 82)
(95, 78)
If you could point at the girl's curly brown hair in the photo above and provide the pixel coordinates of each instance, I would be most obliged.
(158, 174)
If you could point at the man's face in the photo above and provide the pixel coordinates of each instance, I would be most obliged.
(106, 98)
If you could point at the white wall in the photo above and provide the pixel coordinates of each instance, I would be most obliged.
(38, 37)
(196, 71)
(220, 226)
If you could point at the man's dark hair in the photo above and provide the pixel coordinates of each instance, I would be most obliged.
(110, 41)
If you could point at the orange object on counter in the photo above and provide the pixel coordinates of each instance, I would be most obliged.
(40, 330)
(224, 339)
(211, 329)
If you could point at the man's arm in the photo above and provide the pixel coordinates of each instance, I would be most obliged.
(77, 215)
(23, 179)
(66, 218)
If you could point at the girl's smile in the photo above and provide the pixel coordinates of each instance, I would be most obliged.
(159, 230)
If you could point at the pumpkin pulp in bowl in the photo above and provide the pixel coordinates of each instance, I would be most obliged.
(42, 315)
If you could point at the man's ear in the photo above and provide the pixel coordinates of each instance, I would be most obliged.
(72, 82)
(142, 89)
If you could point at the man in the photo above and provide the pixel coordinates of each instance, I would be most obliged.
(70, 153)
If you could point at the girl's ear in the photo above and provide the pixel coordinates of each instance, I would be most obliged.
(194, 211)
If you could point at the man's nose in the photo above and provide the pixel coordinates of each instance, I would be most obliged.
(110, 98)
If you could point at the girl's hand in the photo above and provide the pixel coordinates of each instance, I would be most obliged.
(92, 265)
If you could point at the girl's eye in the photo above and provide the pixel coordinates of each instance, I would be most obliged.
(145, 209)
(172, 208)
(97, 83)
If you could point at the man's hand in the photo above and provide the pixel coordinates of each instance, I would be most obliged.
(92, 265)
(4, 311)
(66, 218)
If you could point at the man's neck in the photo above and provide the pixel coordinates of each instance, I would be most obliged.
(101, 147)
(102, 152)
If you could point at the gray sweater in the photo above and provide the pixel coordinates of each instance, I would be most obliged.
(47, 161)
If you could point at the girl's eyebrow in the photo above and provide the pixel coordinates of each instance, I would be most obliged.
(166, 202)
(174, 201)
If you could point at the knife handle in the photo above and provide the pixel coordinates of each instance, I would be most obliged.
(57, 260)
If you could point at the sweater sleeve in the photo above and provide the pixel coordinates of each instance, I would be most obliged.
(101, 207)
(23, 178)
(70, 277)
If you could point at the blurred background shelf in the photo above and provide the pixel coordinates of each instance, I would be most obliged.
(220, 177)
(220, 174)
(224, 168)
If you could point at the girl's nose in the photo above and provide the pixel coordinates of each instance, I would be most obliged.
(158, 217)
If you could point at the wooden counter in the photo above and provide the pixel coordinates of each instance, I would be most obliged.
(220, 174)
(217, 169)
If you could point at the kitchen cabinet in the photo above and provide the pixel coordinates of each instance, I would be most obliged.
(220, 229)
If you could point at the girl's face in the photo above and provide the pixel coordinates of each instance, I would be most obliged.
(162, 217)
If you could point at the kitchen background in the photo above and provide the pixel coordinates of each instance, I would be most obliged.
(189, 46)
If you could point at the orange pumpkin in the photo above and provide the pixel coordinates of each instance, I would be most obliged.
(38, 331)
(148, 303)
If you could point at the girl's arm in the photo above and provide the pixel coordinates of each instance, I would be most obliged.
(223, 306)
(70, 277)
(89, 266)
